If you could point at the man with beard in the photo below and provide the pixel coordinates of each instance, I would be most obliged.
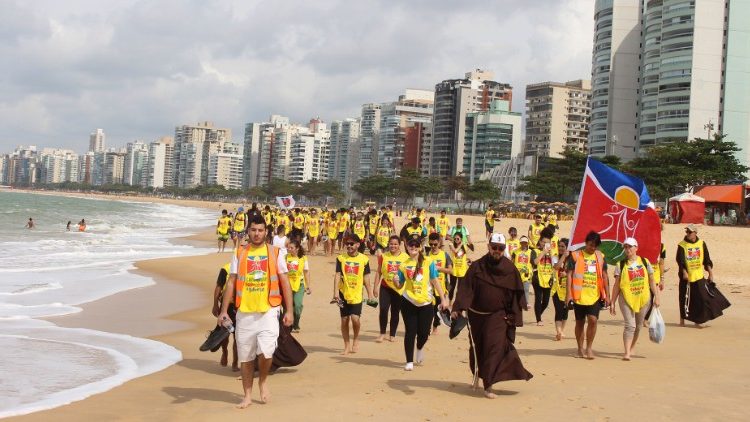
(492, 295)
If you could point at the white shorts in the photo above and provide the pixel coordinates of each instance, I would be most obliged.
(256, 334)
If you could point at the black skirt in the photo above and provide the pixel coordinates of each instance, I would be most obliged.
(701, 301)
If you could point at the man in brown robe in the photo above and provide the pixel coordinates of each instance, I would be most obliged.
(492, 295)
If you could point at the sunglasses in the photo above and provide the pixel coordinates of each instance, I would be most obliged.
(434, 244)
(497, 247)
(350, 243)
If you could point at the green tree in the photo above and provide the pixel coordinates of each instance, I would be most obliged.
(374, 188)
(559, 179)
(482, 191)
(279, 187)
(408, 185)
(678, 166)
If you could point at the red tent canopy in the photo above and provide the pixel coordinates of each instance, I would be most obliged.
(687, 208)
(731, 194)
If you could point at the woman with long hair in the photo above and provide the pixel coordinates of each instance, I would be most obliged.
(299, 278)
(389, 295)
(418, 276)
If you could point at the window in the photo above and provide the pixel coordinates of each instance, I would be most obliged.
(675, 60)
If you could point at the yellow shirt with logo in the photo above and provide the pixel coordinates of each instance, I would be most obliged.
(417, 286)
(512, 245)
(358, 228)
(441, 260)
(255, 291)
(223, 227)
(382, 235)
(460, 262)
(313, 226)
(389, 267)
(634, 285)
(296, 268)
(352, 276)
(590, 291)
(522, 260)
(443, 223)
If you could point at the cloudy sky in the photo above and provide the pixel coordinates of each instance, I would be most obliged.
(140, 68)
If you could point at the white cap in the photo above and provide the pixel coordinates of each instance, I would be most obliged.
(630, 242)
(497, 238)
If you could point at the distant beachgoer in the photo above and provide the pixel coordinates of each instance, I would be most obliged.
(535, 230)
(67, 227)
(459, 228)
(238, 227)
(82, 225)
(560, 289)
(544, 275)
(219, 290)
(30, 224)
(223, 227)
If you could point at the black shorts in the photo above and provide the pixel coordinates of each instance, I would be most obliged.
(349, 308)
(340, 236)
(489, 227)
(582, 311)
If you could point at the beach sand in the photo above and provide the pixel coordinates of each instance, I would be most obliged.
(696, 374)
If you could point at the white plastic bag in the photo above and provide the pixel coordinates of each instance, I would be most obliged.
(656, 327)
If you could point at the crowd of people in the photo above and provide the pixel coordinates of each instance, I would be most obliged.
(422, 274)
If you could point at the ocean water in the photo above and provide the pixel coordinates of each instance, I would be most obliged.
(49, 271)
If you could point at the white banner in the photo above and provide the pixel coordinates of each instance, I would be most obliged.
(285, 202)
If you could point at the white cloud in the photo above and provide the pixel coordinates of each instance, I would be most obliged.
(137, 69)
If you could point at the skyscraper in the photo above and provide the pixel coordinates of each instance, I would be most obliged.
(136, 163)
(454, 99)
(96, 141)
(491, 138)
(193, 144)
(369, 140)
(691, 75)
(614, 78)
(344, 151)
(414, 106)
(158, 173)
(557, 117)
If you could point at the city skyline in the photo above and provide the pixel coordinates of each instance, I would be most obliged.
(125, 68)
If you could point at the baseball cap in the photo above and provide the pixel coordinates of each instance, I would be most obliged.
(497, 238)
(691, 228)
(524, 239)
(416, 220)
(630, 242)
(240, 209)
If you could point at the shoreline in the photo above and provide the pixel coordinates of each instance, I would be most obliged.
(374, 385)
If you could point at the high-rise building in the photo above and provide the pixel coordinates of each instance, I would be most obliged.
(369, 138)
(86, 164)
(614, 78)
(454, 99)
(344, 152)
(96, 141)
(113, 168)
(136, 163)
(414, 106)
(158, 171)
(735, 116)
(691, 75)
(491, 138)
(192, 147)
(308, 159)
(225, 166)
(21, 167)
(557, 117)
(259, 150)
(58, 166)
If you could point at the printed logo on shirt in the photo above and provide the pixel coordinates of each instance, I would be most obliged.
(293, 266)
(637, 272)
(257, 263)
(351, 268)
(523, 259)
(693, 253)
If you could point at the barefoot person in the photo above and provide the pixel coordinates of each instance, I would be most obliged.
(418, 276)
(634, 282)
(492, 294)
(560, 289)
(587, 288)
(258, 276)
(389, 295)
(352, 274)
(221, 284)
(299, 278)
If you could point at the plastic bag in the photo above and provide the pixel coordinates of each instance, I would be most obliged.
(656, 327)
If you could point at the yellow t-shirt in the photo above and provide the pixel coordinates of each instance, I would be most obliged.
(358, 227)
(536, 230)
(296, 267)
(352, 276)
(299, 221)
(224, 224)
(382, 235)
(373, 224)
(489, 216)
(634, 285)
(460, 262)
(443, 223)
(332, 229)
(389, 266)
(512, 245)
(344, 222)
(255, 290)
(239, 222)
(313, 226)
(441, 261)
(522, 260)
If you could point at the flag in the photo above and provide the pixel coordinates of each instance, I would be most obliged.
(616, 206)
(285, 202)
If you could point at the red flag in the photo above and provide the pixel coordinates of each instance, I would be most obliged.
(616, 206)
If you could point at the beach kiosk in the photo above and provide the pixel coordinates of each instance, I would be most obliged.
(687, 208)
